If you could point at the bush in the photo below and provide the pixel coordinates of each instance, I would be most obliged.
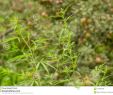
(56, 42)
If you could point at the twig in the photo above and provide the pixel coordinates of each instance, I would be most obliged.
(7, 32)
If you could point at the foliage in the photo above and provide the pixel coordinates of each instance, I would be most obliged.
(56, 42)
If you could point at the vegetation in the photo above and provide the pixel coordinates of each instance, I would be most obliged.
(56, 42)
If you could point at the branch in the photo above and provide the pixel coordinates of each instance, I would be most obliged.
(7, 32)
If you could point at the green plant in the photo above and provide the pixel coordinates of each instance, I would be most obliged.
(67, 42)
